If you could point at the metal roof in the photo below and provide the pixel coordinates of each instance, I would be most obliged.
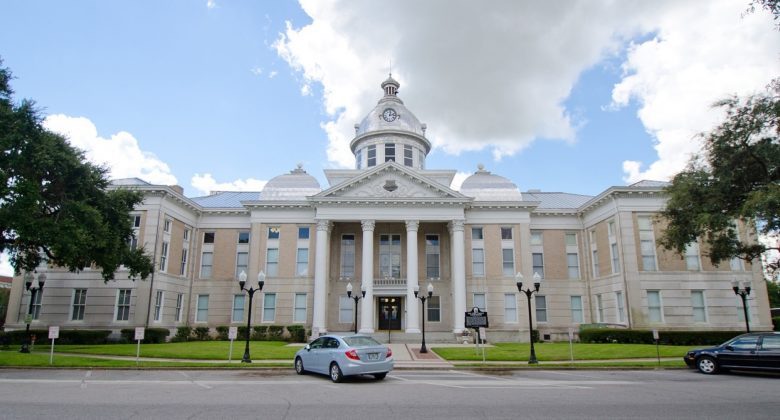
(557, 200)
(226, 199)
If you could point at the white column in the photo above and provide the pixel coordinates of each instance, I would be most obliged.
(367, 307)
(318, 325)
(458, 275)
(412, 308)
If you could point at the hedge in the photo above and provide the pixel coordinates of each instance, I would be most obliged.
(683, 338)
(151, 335)
(66, 336)
(776, 323)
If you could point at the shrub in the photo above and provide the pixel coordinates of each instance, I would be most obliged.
(275, 332)
(297, 333)
(83, 336)
(260, 332)
(183, 334)
(685, 338)
(222, 332)
(151, 335)
(202, 333)
(18, 336)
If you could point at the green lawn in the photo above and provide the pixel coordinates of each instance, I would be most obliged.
(12, 358)
(198, 350)
(503, 352)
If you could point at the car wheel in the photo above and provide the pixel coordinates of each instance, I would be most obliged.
(380, 376)
(335, 373)
(299, 366)
(707, 365)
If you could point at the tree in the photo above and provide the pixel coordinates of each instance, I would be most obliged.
(54, 204)
(737, 178)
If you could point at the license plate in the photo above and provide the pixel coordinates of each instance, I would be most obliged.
(373, 356)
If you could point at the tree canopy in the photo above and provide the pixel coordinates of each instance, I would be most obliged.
(736, 179)
(54, 204)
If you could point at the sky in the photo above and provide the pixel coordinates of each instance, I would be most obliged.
(216, 95)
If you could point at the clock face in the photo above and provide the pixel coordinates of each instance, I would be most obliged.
(389, 115)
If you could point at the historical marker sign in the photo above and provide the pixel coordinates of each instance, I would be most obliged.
(475, 318)
(54, 332)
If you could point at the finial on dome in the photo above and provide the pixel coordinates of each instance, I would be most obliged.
(390, 86)
(298, 169)
(480, 167)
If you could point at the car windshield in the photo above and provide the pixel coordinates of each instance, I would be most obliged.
(361, 341)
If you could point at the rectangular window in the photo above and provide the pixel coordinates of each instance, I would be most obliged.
(613, 249)
(389, 152)
(167, 226)
(303, 233)
(242, 262)
(346, 316)
(654, 309)
(571, 239)
(510, 307)
(576, 309)
(272, 262)
(183, 267)
(573, 263)
(186, 234)
(390, 256)
(359, 158)
(158, 305)
(432, 253)
(692, 256)
(599, 309)
(299, 311)
(123, 304)
(243, 237)
(536, 237)
(596, 271)
(541, 308)
(508, 256)
(133, 244)
(371, 156)
(273, 232)
(476, 233)
(646, 243)
(302, 262)
(479, 301)
(269, 307)
(164, 256)
(348, 256)
(621, 310)
(206, 261)
(79, 304)
(611, 228)
(736, 264)
(239, 302)
(506, 233)
(408, 160)
(538, 263)
(208, 237)
(478, 262)
(179, 302)
(434, 309)
(136, 221)
(202, 310)
(697, 303)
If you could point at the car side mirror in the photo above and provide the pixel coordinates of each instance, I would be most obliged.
(730, 348)
(308, 347)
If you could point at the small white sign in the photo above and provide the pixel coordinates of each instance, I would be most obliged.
(139, 333)
(655, 335)
(571, 334)
(232, 333)
(54, 332)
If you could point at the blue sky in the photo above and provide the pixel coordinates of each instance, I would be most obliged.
(218, 94)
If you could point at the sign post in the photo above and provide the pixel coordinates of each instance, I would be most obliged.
(571, 345)
(657, 351)
(54, 333)
(139, 335)
(478, 320)
(232, 334)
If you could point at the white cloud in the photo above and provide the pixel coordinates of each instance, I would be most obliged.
(497, 76)
(206, 184)
(257, 71)
(120, 153)
(272, 74)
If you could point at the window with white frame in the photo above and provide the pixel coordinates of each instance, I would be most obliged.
(506, 233)
(536, 237)
(269, 307)
(479, 301)
(613, 249)
(164, 256)
(654, 308)
(273, 232)
(576, 309)
(206, 262)
(123, 304)
(408, 156)
(136, 220)
(510, 307)
(599, 308)
(243, 237)
(476, 234)
(432, 255)
(646, 243)
(596, 270)
(208, 237)
(79, 304)
(541, 308)
(390, 256)
(345, 310)
(272, 262)
(202, 309)
(390, 152)
(573, 265)
(621, 310)
(348, 256)
(302, 262)
(508, 257)
(239, 302)
(303, 232)
(736, 264)
(692, 257)
(359, 158)
(186, 234)
(299, 308)
(699, 306)
(167, 225)
(434, 309)
(538, 263)
(371, 156)
(478, 262)
(242, 262)
(570, 239)
(158, 305)
(183, 267)
(179, 303)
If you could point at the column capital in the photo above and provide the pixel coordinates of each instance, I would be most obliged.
(368, 225)
(324, 225)
(412, 225)
(456, 225)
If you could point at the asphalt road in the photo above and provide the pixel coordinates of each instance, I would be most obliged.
(543, 394)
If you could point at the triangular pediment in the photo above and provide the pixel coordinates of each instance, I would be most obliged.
(390, 180)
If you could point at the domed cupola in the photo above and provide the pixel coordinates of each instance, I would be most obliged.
(297, 185)
(390, 132)
(485, 186)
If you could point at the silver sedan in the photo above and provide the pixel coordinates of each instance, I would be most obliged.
(345, 356)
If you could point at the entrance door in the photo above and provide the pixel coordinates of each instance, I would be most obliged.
(390, 310)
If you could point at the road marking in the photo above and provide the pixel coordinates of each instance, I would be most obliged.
(84, 380)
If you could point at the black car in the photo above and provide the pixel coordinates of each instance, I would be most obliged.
(753, 351)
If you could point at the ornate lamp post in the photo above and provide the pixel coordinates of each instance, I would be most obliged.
(743, 293)
(528, 292)
(35, 286)
(251, 292)
(356, 298)
(423, 298)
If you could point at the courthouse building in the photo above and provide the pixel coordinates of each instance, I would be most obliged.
(391, 225)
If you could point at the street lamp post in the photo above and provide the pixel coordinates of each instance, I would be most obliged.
(356, 298)
(251, 292)
(35, 286)
(743, 293)
(528, 293)
(423, 298)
